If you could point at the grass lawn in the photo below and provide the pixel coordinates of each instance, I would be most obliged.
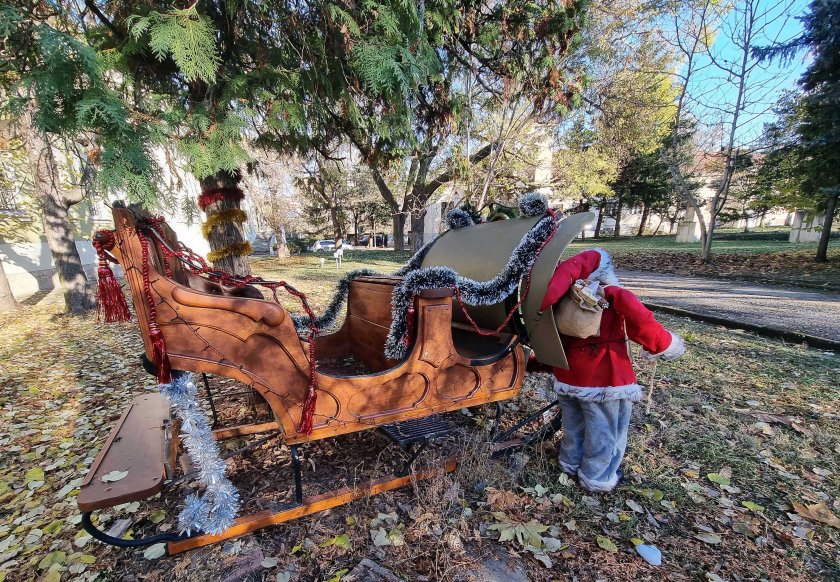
(663, 243)
(733, 475)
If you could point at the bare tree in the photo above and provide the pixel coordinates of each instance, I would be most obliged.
(270, 183)
(721, 85)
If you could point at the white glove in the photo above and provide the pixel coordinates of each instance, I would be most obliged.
(672, 352)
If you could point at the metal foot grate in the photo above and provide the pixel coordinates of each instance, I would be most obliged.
(417, 430)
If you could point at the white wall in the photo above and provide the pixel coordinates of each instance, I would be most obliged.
(30, 268)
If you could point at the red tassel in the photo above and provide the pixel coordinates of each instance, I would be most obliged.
(160, 357)
(109, 296)
(308, 411)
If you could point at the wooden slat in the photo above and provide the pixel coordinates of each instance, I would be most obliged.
(137, 444)
(244, 429)
(371, 302)
(249, 523)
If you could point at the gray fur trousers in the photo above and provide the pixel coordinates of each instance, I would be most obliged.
(594, 440)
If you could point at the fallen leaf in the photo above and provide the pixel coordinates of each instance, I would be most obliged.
(269, 562)
(753, 506)
(115, 476)
(52, 558)
(154, 552)
(744, 529)
(817, 512)
(708, 537)
(157, 516)
(606, 543)
(380, 537)
(550, 544)
(652, 494)
(342, 541)
(718, 478)
(34, 474)
(764, 428)
(634, 505)
(501, 499)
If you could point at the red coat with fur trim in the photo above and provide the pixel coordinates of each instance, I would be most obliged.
(600, 367)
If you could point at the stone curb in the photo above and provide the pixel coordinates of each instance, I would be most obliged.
(773, 332)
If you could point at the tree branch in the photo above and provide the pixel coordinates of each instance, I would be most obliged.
(451, 173)
(104, 19)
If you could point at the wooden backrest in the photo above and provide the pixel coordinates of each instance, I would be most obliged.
(168, 293)
(369, 319)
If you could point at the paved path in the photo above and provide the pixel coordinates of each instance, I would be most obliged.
(789, 309)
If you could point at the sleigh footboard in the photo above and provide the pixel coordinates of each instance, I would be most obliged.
(134, 461)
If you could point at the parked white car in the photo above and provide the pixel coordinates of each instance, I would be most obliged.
(323, 246)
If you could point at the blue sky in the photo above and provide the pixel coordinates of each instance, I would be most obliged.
(715, 91)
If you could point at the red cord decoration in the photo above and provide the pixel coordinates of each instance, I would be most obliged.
(199, 266)
(110, 301)
(208, 197)
(159, 354)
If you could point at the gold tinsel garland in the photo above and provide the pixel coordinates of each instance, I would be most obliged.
(223, 217)
(240, 249)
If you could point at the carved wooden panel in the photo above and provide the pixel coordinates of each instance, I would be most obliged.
(254, 341)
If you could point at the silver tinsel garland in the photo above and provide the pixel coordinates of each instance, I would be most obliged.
(214, 510)
(417, 278)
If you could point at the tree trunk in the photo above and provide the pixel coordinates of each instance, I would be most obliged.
(618, 208)
(355, 229)
(643, 222)
(598, 224)
(78, 296)
(399, 231)
(58, 230)
(372, 239)
(7, 300)
(825, 235)
(706, 251)
(416, 233)
(282, 247)
(658, 226)
(227, 233)
(336, 222)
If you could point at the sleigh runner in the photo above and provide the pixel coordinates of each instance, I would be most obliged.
(211, 326)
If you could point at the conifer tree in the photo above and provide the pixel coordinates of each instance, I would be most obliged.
(806, 138)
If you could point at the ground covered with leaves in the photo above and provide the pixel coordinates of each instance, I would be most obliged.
(756, 259)
(733, 475)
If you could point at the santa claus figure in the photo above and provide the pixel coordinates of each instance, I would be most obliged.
(597, 392)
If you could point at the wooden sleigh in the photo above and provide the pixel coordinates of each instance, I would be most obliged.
(232, 332)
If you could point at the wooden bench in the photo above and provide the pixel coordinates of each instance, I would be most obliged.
(140, 443)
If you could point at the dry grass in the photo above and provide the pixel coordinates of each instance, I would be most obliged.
(765, 411)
